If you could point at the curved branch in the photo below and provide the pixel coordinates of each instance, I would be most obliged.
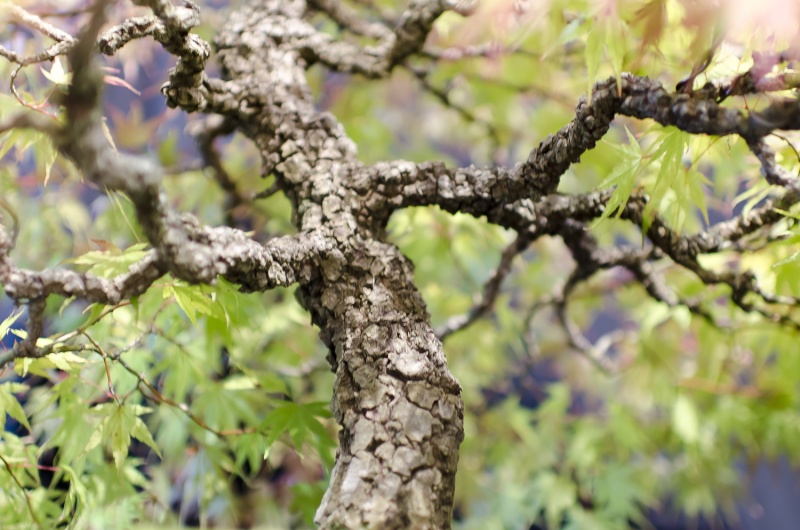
(484, 191)
(394, 46)
(189, 251)
(188, 87)
(491, 289)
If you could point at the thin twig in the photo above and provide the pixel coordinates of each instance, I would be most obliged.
(108, 368)
(23, 490)
(491, 289)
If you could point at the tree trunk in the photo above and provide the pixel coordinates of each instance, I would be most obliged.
(399, 407)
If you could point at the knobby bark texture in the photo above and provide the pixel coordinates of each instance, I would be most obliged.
(399, 408)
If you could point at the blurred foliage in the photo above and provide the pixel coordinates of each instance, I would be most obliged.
(214, 382)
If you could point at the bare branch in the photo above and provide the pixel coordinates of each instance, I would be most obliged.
(407, 38)
(482, 191)
(38, 24)
(34, 327)
(205, 132)
(22, 284)
(29, 120)
(443, 95)
(59, 48)
(187, 87)
(182, 246)
(491, 290)
(350, 19)
(772, 171)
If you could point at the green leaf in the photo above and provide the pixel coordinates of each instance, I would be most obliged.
(685, 419)
(66, 361)
(595, 42)
(306, 498)
(299, 421)
(10, 405)
(120, 422)
(568, 33)
(670, 151)
(558, 495)
(111, 261)
(142, 433)
(5, 325)
(117, 428)
(787, 214)
(251, 448)
(618, 492)
(616, 47)
(753, 195)
(77, 490)
(46, 154)
(580, 519)
(239, 382)
(23, 334)
(107, 134)
(785, 261)
(623, 176)
(194, 299)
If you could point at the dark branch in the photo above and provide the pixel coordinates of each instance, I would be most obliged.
(491, 290)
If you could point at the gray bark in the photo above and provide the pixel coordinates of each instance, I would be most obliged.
(399, 408)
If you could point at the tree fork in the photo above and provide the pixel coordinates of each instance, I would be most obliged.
(399, 407)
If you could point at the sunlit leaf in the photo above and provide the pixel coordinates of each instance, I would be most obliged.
(685, 419)
(57, 75)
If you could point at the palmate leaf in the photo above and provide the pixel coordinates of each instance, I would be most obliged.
(224, 407)
(594, 52)
(119, 423)
(670, 150)
(618, 493)
(608, 34)
(78, 492)
(5, 325)
(306, 498)
(251, 448)
(791, 240)
(753, 195)
(10, 405)
(194, 299)
(300, 421)
(678, 185)
(110, 261)
(615, 47)
(623, 176)
(580, 519)
(555, 495)
(45, 154)
(64, 361)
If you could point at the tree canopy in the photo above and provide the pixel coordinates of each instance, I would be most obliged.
(376, 264)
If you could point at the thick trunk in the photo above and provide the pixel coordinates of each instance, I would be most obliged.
(399, 407)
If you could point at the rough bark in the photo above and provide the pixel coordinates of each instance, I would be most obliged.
(399, 408)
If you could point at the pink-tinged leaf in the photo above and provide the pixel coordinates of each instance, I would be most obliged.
(118, 81)
(107, 134)
(106, 246)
